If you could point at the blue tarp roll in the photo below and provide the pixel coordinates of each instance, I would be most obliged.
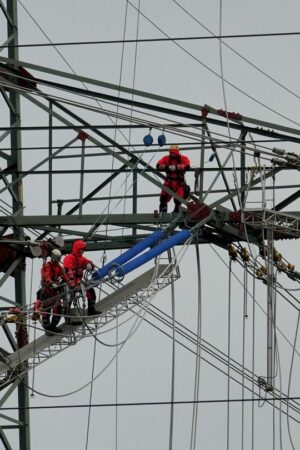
(153, 252)
(129, 254)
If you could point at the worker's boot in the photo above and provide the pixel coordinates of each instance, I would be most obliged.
(52, 329)
(176, 207)
(55, 329)
(45, 321)
(91, 298)
(54, 323)
(91, 310)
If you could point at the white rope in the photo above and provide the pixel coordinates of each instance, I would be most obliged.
(171, 426)
(198, 353)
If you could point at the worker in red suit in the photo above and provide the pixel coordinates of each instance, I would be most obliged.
(75, 264)
(175, 165)
(52, 276)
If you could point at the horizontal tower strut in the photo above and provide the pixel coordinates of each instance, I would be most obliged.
(155, 97)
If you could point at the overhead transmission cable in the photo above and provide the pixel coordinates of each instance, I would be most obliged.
(193, 440)
(135, 404)
(290, 380)
(145, 122)
(244, 317)
(144, 318)
(71, 68)
(215, 73)
(225, 105)
(91, 395)
(117, 108)
(173, 361)
(213, 35)
(280, 389)
(278, 360)
(209, 362)
(190, 145)
(91, 95)
(108, 212)
(180, 132)
(254, 302)
(172, 130)
(132, 5)
(132, 330)
(194, 58)
(151, 40)
(171, 127)
(96, 225)
(259, 306)
(134, 182)
(48, 39)
(229, 355)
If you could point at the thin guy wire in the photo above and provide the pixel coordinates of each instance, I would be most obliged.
(229, 353)
(171, 425)
(90, 396)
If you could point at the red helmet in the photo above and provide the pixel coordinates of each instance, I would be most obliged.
(78, 245)
(174, 150)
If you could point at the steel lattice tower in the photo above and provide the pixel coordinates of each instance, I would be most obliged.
(46, 90)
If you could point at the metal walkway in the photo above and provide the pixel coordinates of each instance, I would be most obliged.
(133, 295)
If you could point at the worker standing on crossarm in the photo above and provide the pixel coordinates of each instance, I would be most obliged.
(52, 277)
(75, 264)
(175, 165)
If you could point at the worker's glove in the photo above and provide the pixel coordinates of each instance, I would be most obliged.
(54, 285)
(89, 266)
(180, 166)
(161, 166)
(172, 168)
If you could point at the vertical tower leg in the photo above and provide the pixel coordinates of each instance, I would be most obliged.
(16, 162)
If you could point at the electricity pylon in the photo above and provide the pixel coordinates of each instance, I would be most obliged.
(55, 96)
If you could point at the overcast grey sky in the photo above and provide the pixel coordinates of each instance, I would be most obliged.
(263, 83)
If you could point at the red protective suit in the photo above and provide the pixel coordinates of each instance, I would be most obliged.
(75, 264)
(175, 165)
(51, 272)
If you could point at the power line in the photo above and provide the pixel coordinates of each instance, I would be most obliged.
(151, 40)
(164, 403)
(160, 109)
(237, 53)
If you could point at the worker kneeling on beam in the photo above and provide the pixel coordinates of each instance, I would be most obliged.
(75, 264)
(52, 278)
(175, 165)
